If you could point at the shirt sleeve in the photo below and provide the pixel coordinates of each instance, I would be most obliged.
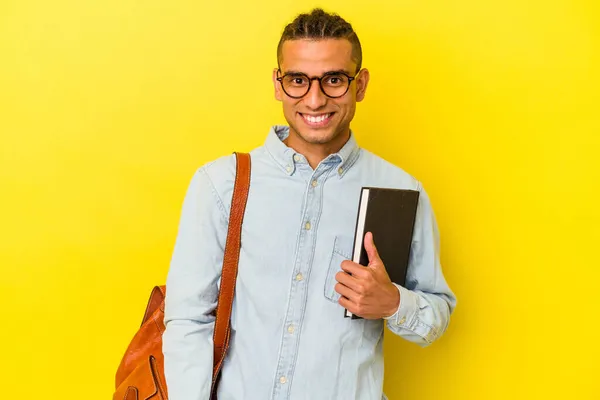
(192, 291)
(426, 301)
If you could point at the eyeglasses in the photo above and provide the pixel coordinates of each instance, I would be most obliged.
(333, 84)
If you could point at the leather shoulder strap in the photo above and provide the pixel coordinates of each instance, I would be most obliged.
(230, 261)
(157, 298)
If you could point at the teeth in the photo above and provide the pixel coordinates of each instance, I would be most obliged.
(316, 120)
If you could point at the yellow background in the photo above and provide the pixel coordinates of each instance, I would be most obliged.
(108, 107)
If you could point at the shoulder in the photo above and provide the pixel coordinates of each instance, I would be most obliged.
(219, 174)
(387, 173)
(222, 171)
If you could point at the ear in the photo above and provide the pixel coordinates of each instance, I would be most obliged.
(362, 80)
(277, 86)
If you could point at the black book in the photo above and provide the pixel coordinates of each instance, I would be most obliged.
(390, 215)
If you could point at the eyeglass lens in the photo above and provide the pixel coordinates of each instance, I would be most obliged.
(333, 85)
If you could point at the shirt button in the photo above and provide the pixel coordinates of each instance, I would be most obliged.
(288, 168)
(291, 329)
(340, 170)
(283, 379)
(307, 226)
(403, 320)
(296, 157)
(314, 183)
(299, 277)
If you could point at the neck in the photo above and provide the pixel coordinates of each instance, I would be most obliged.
(316, 152)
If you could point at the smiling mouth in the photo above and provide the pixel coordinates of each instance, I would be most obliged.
(317, 120)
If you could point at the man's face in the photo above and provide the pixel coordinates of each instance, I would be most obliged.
(316, 118)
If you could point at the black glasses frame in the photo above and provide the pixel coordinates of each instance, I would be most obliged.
(320, 79)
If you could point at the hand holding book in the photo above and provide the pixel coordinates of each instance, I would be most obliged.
(367, 291)
(389, 214)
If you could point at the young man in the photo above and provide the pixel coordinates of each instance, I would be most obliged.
(289, 338)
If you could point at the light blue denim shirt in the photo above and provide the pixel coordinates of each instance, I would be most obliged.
(289, 337)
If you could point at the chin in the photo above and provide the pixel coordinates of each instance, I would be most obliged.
(319, 136)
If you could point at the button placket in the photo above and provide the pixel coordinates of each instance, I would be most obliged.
(297, 301)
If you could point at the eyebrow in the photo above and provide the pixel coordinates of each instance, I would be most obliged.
(337, 71)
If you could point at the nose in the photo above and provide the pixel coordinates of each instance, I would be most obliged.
(315, 98)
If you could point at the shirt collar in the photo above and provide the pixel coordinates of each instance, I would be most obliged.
(287, 158)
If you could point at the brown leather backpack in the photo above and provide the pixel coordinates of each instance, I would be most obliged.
(140, 375)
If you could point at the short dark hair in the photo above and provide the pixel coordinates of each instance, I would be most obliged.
(317, 25)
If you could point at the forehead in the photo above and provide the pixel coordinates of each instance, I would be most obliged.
(315, 57)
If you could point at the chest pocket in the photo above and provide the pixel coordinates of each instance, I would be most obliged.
(342, 250)
(372, 330)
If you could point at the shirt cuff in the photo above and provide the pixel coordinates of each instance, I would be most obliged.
(396, 313)
(407, 309)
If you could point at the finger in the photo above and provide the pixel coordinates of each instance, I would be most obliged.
(350, 281)
(356, 270)
(371, 249)
(347, 304)
(346, 292)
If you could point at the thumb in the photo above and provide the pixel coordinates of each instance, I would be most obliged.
(371, 250)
